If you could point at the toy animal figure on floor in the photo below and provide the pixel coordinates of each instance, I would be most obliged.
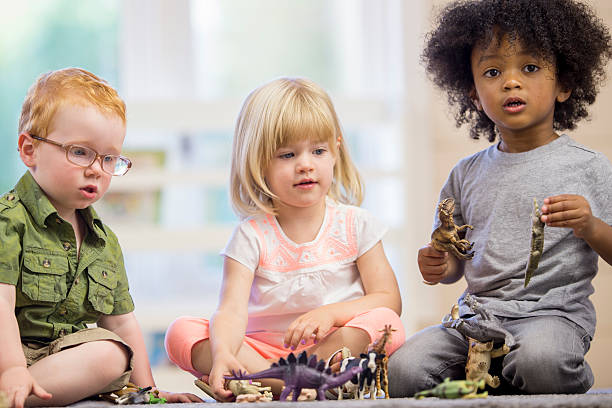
(446, 237)
(455, 389)
(250, 391)
(381, 361)
(361, 383)
(301, 372)
(486, 328)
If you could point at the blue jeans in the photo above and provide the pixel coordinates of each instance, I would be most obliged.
(548, 358)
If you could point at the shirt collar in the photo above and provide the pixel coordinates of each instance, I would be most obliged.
(39, 206)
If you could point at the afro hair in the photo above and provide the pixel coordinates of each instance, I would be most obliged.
(566, 32)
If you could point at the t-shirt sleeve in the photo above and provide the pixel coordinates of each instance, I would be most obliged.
(10, 251)
(602, 189)
(370, 230)
(244, 246)
(451, 189)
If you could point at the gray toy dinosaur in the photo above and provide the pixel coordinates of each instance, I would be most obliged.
(483, 326)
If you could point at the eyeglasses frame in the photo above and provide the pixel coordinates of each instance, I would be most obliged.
(67, 147)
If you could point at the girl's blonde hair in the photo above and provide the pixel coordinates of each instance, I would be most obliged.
(278, 113)
(55, 89)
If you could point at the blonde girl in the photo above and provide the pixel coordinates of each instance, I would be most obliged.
(306, 269)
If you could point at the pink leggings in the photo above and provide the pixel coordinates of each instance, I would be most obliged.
(185, 332)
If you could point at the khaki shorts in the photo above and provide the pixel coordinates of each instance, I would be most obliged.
(34, 351)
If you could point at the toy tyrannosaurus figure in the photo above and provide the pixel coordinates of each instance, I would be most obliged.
(455, 389)
(446, 237)
(301, 372)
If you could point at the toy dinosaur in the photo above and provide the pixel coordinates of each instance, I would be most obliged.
(301, 372)
(454, 389)
(446, 236)
(487, 328)
(483, 326)
(141, 396)
(250, 391)
(381, 361)
(537, 242)
(133, 394)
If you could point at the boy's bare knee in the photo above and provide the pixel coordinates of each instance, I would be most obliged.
(109, 357)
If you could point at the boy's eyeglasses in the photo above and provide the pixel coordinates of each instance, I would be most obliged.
(85, 157)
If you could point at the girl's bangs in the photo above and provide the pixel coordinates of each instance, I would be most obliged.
(309, 122)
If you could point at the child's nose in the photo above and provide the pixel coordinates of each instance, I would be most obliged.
(512, 82)
(304, 163)
(95, 167)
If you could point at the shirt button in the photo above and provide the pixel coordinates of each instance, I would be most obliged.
(104, 274)
(67, 246)
(10, 197)
(76, 281)
(46, 263)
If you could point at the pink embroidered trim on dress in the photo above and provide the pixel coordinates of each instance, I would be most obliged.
(335, 243)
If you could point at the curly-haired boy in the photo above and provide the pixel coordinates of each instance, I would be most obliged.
(517, 72)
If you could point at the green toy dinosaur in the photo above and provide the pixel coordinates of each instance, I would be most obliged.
(455, 389)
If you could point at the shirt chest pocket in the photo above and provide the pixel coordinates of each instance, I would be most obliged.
(102, 281)
(43, 277)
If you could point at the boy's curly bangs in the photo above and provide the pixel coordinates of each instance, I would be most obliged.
(565, 32)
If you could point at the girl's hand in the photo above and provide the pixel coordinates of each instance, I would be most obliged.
(178, 397)
(569, 211)
(433, 264)
(311, 325)
(18, 384)
(223, 364)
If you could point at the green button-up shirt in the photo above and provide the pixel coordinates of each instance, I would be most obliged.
(57, 290)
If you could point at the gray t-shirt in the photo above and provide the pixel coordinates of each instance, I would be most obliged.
(494, 192)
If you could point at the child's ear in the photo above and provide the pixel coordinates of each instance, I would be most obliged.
(563, 96)
(475, 100)
(27, 150)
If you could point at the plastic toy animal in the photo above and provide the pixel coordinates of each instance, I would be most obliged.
(455, 389)
(142, 396)
(361, 383)
(381, 361)
(446, 236)
(301, 372)
(250, 391)
(537, 242)
(132, 394)
(484, 326)
(487, 328)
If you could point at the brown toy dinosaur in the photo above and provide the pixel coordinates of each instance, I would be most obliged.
(446, 236)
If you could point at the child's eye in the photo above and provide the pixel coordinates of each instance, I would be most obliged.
(319, 151)
(491, 73)
(79, 151)
(531, 68)
(287, 155)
